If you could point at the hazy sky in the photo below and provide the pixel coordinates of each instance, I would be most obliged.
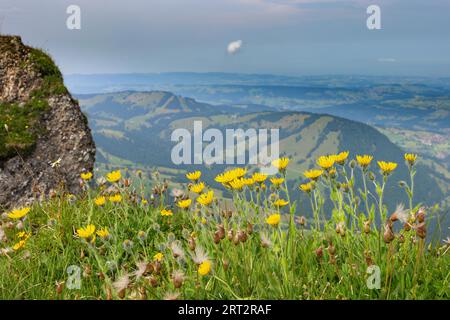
(296, 37)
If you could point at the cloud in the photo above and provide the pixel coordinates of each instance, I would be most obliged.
(234, 46)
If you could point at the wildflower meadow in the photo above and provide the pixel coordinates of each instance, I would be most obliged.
(243, 237)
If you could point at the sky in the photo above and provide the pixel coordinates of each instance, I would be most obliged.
(290, 37)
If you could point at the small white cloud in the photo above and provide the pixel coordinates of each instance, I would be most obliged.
(234, 47)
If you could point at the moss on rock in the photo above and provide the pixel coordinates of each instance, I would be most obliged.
(19, 122)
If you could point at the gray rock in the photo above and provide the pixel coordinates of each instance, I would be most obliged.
(24, 179)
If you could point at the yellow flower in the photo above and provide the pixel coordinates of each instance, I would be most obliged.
(237, 184)
(281, 163)
(204, 221)
(158, 257)
(184, 203)
(364, 161)
(313, 174)
(23, 235)
(19, 213)
(194, 176)
(326, 162)
(273, 220)
(248, 181)
(103, 233)
(86, 176)
(332, 172)
(387, 167)
(277, 181)
(166, 213)
(206, 198)
(204, 268)
(144, 201)
(115, 198)
(19, 245)
(197, 188)
(280, 203)
(411, 158)
(114, 176)
(100, 201)
(225, 177)
(259, 177)
(341, 157)
(238, 172)
(307, 187)
(87, 232)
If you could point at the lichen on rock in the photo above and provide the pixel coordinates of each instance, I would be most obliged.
(40, 125)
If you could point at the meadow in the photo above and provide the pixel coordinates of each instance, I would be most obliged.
(118, 241)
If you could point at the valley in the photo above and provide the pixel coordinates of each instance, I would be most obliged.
(133, 130)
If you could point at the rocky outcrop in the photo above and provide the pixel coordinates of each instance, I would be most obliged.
(58, 143)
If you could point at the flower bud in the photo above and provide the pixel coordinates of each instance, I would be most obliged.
(226, 264)
(153, 281)
(126, 182)
(191, 243)
(388, 235)
(216, 237)
(249, 228)
(87, 271)
(121, 293)
(242, 236)
(421, 231)
(319, 252)
(109, 295)
(142, 293)
(331, 249)
(221, 231)
(302, 221)
(407, 226)
(366, 227)
(59, 287)
(177, 279)
(420, 215)
(230, 234)
(157, 267)
(332, 259)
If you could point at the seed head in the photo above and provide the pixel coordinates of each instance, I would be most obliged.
(388, 235)
(178, 278)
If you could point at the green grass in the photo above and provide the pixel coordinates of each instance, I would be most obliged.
(299, 262)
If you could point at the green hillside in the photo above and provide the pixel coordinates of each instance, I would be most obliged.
(133, 130)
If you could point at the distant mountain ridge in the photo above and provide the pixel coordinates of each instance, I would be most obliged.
(134, 128)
